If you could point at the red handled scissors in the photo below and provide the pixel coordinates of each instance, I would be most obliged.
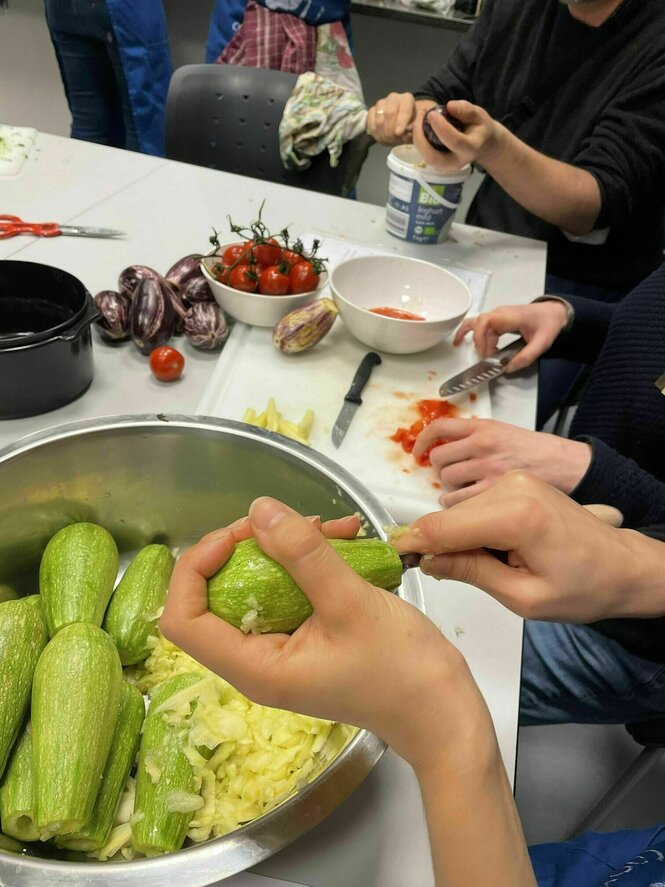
(10, 226)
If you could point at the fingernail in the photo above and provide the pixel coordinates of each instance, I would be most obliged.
(238, 523)
(266, 512)
(214, 537)
(426, 563)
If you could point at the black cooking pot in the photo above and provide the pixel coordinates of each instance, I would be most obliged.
(45, 339)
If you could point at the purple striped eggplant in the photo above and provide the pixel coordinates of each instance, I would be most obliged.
(185, 269)
(205, 326)
(153, 319)
(197, 290)
(114, 307)
(131, 277)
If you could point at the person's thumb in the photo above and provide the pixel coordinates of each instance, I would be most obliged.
(304, 552)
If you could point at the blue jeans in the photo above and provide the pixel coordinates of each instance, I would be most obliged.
(573, 674)
(557, 377)
(92, 72)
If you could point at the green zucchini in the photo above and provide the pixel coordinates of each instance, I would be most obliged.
(96, 832)
(22, 638)
(255, 593)
(133, 612)
(16, 804)
(163, 774)
(75, 701)
(76, 575)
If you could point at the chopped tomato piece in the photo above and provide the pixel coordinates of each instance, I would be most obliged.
(429, 411)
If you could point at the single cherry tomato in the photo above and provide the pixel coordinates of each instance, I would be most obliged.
(166, 363)
(303, 278)
(221, 272)
(290, 258)
(268, 253)
(274, 281)
(236, 252)
(243, 277)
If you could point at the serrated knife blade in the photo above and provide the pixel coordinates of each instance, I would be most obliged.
(483, 371)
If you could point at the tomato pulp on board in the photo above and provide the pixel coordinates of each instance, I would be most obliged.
(396, 313)
(429, 411)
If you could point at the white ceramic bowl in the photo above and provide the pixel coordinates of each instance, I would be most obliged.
(254, 309)
(399, 282)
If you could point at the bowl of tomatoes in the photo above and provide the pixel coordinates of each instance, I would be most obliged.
(257, 281)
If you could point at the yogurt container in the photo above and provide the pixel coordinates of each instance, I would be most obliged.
(421, 199)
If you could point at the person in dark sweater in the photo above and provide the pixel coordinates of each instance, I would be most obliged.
(563, 105)
(610, 672)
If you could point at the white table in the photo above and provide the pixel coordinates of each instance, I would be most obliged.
(378, 837)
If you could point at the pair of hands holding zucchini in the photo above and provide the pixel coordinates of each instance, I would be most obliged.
(364, 653)
(480, 451)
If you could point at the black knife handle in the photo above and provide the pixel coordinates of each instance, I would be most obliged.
(361, 377)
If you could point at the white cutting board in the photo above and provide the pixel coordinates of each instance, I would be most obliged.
(251, 370)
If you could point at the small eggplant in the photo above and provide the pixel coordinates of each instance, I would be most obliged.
(175, 295)
(131, 276)
(113, 325)
(205, 326)
(153, 319)
(304, 327)
(185, 269)
(429, 133)
(197, 290)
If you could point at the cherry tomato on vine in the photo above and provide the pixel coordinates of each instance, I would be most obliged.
(166, 363)
(303, 278)
(244, 278)
(274, 282)
(221, 272)
(235, 252)
(291, 258)
(268, 253)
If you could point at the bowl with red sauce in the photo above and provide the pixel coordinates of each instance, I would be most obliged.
(397, 304)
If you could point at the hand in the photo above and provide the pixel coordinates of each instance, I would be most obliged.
(480, 140)
(564, 563)
(539, 325)
(360, 654)
(389, 120)
(478, 452)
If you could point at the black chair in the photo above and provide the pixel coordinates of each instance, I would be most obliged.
(649, 734)
(227, 117)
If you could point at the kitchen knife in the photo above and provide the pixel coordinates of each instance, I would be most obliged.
(352, 398)
(483, 371)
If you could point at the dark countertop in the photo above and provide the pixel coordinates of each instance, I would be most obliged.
(396, 9)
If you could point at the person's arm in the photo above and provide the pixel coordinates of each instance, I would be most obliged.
(562, 563)
(471, 455)
(620, 481)
(472, 820)
(415, 691)
(545, 327)
(584, 339)
(563, 194)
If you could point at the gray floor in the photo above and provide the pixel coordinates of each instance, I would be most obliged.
(562, 771)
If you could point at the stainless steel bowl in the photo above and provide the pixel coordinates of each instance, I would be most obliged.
(172, 479)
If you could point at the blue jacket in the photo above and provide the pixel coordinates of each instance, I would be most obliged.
(227, 17)
(142, 38)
